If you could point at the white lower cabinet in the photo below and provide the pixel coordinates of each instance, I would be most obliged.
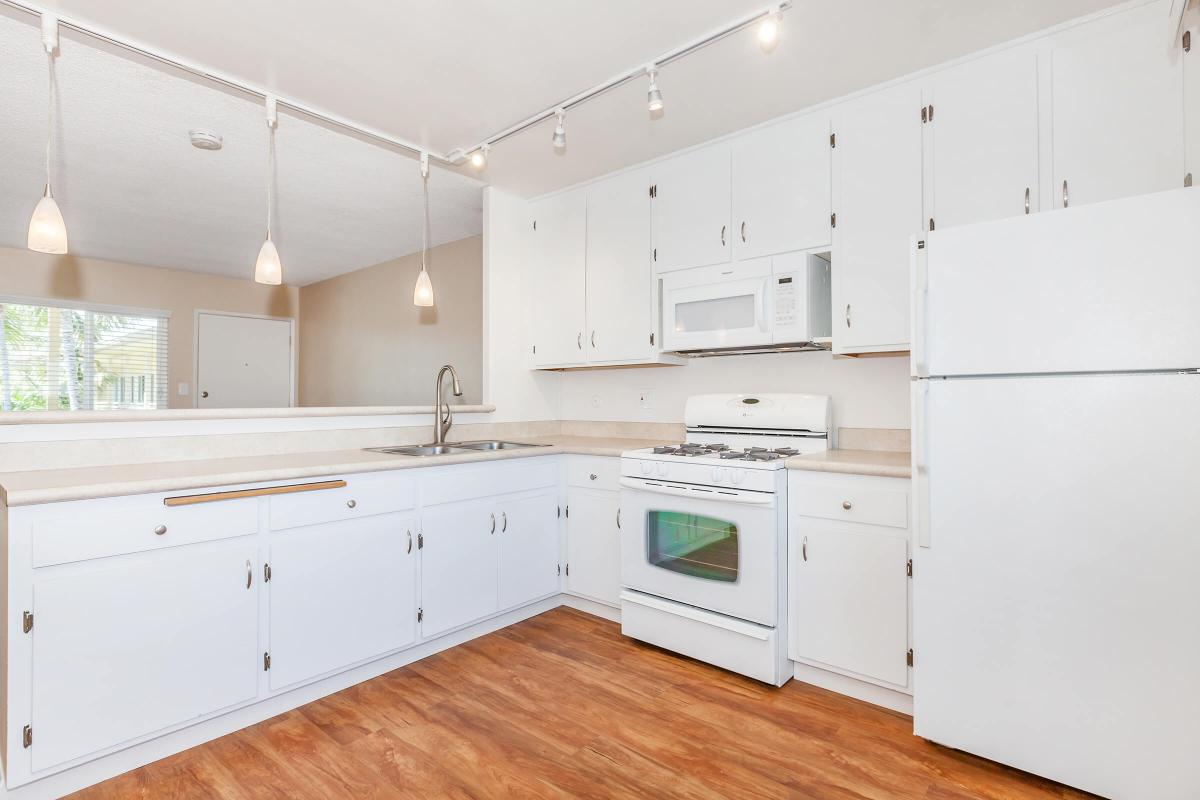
(848, 581)
(341, 593)
(528, 548)
(132, 645)
(593, 545)
(459, 576)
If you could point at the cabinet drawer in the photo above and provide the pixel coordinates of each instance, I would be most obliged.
(849, 502)
(362, 496)
(594, 472)
(135, 525)
(456, 484)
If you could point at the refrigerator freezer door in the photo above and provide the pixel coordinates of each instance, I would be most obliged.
(1057, 580)
(1102, 288)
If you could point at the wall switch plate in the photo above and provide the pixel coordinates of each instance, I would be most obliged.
(646, 398)
(183, 390)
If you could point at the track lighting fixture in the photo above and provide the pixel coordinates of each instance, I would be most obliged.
(768, 29)
(47, 230)
(560, 133)
(423, 290)
(268, 269)
(479, 157)
(654, 98)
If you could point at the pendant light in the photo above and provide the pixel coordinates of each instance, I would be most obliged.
(268, 269)
(423, 291)
(47, 230)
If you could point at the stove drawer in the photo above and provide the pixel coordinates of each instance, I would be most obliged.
(847, 501)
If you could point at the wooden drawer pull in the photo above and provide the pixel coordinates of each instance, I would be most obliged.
(237, 494)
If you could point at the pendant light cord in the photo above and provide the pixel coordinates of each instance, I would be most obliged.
(49, 116)
(425, 227)
(270, 175)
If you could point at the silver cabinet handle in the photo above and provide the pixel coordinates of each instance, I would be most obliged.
(579, 340)
(409, 542)
(1066, 196)
(722, 236)
(249, 573)
(804, 548)
(593, 338)
(351, 503)
(847, 315)
(846, 505)
(618, 519)
(1026, 199)
(160, 530)
(504, 517)
(743, 232)
(493, 530)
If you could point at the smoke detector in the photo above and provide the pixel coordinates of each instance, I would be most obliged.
(204, 140)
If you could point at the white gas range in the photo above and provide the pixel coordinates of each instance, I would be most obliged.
(704, 542)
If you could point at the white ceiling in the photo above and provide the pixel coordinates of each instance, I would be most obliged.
(441, 75)
(133, 189)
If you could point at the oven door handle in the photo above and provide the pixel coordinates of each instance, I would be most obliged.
(716, 495)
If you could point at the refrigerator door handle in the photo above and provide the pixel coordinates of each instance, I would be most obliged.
(920, 457)
(918, 311)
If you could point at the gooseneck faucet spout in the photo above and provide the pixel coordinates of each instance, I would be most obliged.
(443, 421)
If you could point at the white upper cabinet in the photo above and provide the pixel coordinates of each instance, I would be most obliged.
(981, 139)
(1191, 86)
(781, 188)
(620, 301)
(1117, 108)
(557, 296)
(692, 209)
(877, 202)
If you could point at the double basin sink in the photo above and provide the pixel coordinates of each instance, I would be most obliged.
(454, 447)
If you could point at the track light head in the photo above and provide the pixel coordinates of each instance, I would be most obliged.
(560, 134)
(654, 98)
(768, 29)
(479, 157)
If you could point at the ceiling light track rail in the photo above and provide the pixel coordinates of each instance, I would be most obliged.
(325, 117)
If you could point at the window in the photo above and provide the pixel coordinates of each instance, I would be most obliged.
(77, 357)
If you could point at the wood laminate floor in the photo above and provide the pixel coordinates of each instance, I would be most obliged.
(562, 705)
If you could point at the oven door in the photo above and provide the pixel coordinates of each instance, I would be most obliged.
(713, 549)
(715, 307)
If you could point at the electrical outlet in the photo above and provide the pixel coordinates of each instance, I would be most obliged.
(646, 398)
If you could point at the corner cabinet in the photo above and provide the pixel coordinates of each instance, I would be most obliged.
(593, 565)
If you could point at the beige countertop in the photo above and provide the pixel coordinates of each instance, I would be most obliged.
(84, 483)
(856, 462)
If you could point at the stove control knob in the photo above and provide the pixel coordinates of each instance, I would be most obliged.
(661, 469)
(738, 475)
(647, 467)
(717, 474)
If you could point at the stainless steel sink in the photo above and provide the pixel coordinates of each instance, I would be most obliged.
(418, 450)
(496, 445)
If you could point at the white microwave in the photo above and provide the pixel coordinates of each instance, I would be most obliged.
(759, 304)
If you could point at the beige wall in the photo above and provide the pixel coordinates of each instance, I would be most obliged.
(24, 273)
(363, 342)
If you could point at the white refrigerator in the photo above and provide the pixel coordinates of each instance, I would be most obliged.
(1056, 455)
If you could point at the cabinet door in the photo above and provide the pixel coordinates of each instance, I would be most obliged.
(983, 139)
(691, 209)
(593, 545)
(558, 279)
(528, 548)
(458, 565)
(849, 604)
(140, 644)
(619, 272)
(781, 188)
(877, 189)
(341, 593)
(1118, 108)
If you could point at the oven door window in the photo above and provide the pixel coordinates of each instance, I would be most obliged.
(691, 544)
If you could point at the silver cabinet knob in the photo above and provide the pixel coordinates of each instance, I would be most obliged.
(592, 476)
(351, 503)
(204, 394)
(160, 530)
(846, 504)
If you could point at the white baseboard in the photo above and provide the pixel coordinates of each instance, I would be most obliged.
(859, 690)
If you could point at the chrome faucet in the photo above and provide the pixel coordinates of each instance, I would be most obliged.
(441, 424)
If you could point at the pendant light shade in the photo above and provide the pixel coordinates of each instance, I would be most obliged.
(47, 231)
(268, 268)
(423, 290)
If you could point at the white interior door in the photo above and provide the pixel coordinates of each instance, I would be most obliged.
(984, 139)
(1055, 604)
(341, 593)
(619, 275)
(1118, 108)
(139, 643)
(243, 362)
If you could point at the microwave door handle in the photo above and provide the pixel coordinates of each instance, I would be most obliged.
(722, 496)
(764, 324)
